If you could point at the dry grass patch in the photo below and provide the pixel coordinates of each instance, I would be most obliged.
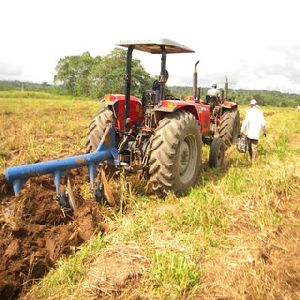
(114, 270)
(255, 265)
(294, 142)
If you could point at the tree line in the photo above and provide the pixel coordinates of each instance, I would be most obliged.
(264, 97)
(84, 75)
(88, 76)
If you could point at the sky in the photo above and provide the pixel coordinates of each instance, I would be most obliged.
(256, 43)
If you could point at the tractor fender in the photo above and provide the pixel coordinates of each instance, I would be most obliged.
(169, 106)
(113, 106)
(201, 112)
(229, 105)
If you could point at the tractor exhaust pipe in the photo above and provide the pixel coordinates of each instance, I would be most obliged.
(195, 83)
(226, 88)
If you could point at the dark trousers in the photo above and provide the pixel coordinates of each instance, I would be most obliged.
(252, 148)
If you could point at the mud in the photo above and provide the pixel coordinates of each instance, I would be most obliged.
(36, 232)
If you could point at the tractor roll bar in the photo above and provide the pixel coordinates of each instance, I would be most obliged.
(162, 79)
(127, 78)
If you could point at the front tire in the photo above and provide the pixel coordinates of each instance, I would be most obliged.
(175, 153)
(97, 128)
(216, 153)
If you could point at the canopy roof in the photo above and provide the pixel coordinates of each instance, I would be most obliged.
(154, 47)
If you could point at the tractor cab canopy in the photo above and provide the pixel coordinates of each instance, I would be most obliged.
(155, 47)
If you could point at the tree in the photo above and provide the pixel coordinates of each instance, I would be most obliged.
(73, 72)
(108, 77)
(87, 76)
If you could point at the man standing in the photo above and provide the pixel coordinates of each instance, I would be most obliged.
(251, 127)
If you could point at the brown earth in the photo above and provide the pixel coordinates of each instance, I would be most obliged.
(36, 232)
(294, 141)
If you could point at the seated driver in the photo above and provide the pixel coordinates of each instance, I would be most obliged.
(162, 78)
(156, 86)
(214, 92)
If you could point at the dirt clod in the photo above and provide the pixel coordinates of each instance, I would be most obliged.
(36, 232)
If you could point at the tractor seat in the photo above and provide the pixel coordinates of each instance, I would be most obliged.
(149, 98)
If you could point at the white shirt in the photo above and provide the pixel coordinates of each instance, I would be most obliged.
(213, 92)
(253, 123)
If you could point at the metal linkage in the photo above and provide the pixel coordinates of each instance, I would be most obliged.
(105, 151)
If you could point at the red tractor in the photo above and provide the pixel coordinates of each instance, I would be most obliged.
(162, 136)
(158, 135)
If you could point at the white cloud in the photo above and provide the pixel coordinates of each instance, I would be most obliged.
(10, 71)
(256, 43)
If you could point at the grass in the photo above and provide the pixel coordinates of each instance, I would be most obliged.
(174, 270)
(35, 129)
(236, 182)
(14, 94)
(203, 212)
(223, 239)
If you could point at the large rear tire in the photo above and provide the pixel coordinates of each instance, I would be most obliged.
(230, 127)
(175, 153)
(97, 128)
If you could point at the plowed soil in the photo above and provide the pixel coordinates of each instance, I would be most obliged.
(36, 232)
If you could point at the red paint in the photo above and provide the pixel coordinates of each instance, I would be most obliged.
(135, 108)
(199, 110)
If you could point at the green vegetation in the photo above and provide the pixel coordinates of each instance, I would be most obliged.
(242, 97)
(176, 270)
(84, 75)
(6, 85)
(264, 98)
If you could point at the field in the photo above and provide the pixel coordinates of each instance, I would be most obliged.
(235, 235)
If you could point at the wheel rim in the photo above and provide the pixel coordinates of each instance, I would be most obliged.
(187, 158)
